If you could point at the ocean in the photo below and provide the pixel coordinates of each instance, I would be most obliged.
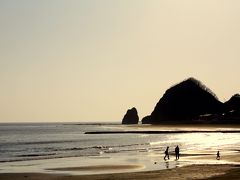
(39, 141)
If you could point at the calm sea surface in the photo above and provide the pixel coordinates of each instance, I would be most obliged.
(19, 142)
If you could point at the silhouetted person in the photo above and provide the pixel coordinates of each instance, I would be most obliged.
(177, 152)
(218, 156)
(166, 154)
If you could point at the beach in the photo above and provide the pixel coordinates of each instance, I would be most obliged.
(186, 172)
(197, 166)
(65, 152)
(119, 89)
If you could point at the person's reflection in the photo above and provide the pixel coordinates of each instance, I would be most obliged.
(167, 164)
(177, 164)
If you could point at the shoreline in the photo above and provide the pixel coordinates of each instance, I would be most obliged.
(204, 171)
(139, 158)
(162, 132)
(190, 167)
(121, 163)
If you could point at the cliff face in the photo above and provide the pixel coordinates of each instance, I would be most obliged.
(184, 102)
(131, 117)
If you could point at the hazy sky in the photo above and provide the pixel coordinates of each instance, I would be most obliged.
(91, 60)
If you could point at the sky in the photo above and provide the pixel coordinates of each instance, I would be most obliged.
(91, 60)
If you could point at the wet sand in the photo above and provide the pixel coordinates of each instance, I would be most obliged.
(187, 172)
(229, 168)
(100, 168)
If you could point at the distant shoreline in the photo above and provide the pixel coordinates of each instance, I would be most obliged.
(162, 132)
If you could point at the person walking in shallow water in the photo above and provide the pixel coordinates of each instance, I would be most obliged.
(177, 152)
(218, 156)
(166, 154)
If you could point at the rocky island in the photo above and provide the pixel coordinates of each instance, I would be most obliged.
(131, 117)
(192, 102)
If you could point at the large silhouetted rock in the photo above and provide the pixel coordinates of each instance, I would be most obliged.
(233, 104)
(131, 117)
(183, 103)
(147, 120)
(231, 110)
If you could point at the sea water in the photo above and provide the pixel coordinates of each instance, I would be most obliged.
(31, 141)
(20, 142)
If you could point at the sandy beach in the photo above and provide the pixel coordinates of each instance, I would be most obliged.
(186, 172)
(123, 156)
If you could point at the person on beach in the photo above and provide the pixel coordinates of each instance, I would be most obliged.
(177, 152)
(166, 154)
(218, 156)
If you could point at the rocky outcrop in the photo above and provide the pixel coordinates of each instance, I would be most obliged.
(131, 117)
(184, 102)
(233, 104)
(147, 120)
(231, 112)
